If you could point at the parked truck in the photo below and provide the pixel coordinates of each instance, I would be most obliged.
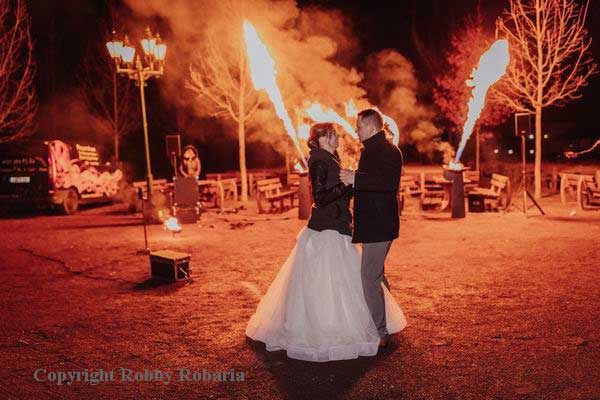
(56, 173)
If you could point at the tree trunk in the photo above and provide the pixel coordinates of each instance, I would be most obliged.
(242, 128)
(539, 100)
(538, 152)
(242, 144)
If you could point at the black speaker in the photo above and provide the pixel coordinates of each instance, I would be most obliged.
(476, 203)
(173, 145)
(186, 191)
(170, 266)
(522, 124)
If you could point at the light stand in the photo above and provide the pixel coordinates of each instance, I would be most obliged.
(522, 132)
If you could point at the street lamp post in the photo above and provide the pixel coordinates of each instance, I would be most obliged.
(151, 65)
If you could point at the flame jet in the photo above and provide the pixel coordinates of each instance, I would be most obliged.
(492, 66)
(264, 77)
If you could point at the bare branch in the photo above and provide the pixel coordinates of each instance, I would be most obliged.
(215, 79)
(18, 101)
(563, 66)
(96, 86)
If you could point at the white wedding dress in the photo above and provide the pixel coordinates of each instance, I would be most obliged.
(315, 308)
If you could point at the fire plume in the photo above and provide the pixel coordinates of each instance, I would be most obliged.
(264, 77)
(492, 65)
(303, 131)
(351, 110)
(317, 113)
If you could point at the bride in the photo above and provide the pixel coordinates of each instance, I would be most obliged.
(315, 308)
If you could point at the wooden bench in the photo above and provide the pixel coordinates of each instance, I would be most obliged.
(474, 177)
(270, 190)
(229, 188)
(499, 192)
(255, 177)
(232, 181)
(223, 175)
(211, 191)
(409, 187)
(293, 180)
(433, 193)
(229, 181)
(569, 183)
(157, 184)
(588, 192)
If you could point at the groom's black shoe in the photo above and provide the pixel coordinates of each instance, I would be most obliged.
(383, 342)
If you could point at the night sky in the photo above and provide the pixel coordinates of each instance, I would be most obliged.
(64, 29)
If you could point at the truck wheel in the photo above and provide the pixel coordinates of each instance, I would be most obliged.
(70, 203)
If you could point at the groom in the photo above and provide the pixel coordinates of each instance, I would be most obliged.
(376, 221)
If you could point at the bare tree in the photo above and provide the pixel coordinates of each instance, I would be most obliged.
(97, 83)
(220, 77)
(550, 60)
(18, 101)
(111, 98)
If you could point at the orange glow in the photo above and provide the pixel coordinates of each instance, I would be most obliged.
(298, 167)
(264, 77)
(492, 65)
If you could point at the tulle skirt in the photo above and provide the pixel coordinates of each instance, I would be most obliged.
(315, 307)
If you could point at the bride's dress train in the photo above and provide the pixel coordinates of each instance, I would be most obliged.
(315, 307)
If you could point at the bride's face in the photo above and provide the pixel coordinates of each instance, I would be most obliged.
(330, 141)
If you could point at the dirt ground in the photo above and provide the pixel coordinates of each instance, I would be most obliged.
(499, 306)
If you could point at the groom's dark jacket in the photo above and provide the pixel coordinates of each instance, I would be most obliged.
(375, 191)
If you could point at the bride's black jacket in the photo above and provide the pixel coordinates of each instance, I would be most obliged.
(330, 209)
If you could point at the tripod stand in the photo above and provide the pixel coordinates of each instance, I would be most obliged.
(523, 185)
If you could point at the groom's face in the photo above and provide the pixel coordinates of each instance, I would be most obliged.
(363, 129)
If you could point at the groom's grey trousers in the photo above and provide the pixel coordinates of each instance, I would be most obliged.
(373, 259)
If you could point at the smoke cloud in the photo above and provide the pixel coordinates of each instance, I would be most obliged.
(66, 116)
(312, 48)
(392, 83)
